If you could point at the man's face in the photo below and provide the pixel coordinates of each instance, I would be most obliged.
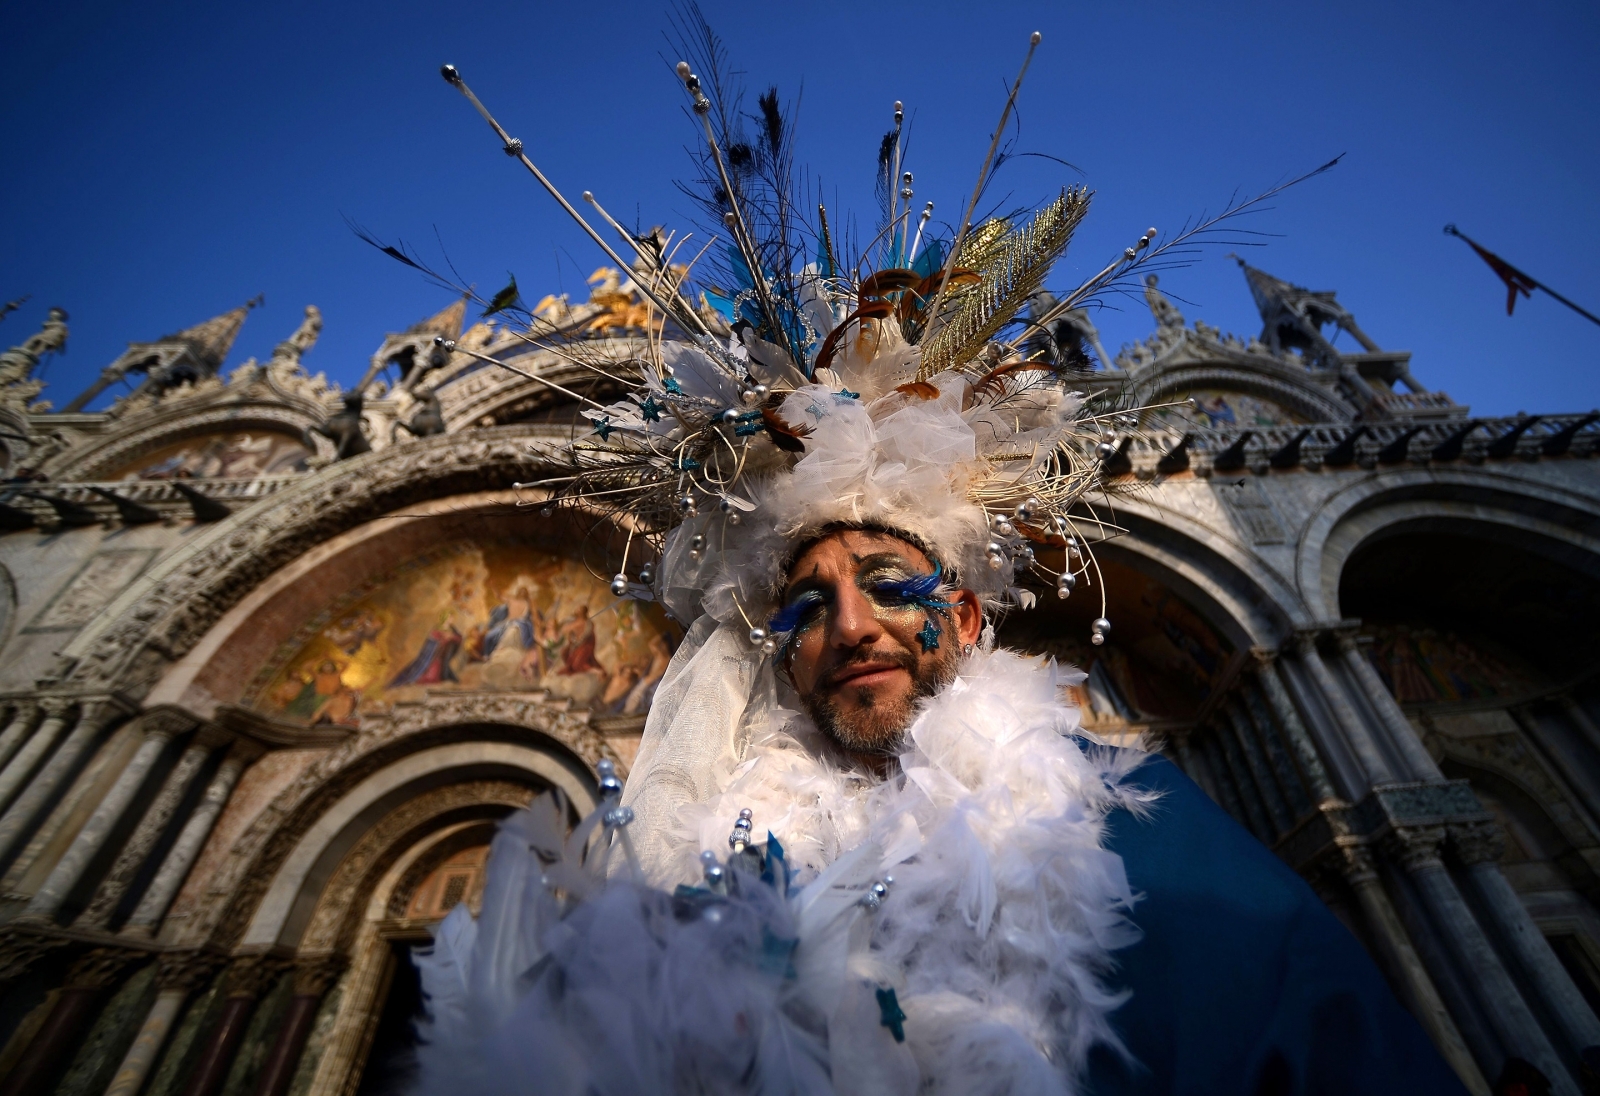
(865, 648)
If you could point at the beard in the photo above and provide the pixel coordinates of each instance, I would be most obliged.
(875, 727)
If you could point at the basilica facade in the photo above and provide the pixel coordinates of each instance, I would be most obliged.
(277, 657)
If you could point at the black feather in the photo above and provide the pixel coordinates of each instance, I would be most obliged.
(772, 120)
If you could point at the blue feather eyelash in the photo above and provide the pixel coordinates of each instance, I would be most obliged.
(788, 618)
(923, 591)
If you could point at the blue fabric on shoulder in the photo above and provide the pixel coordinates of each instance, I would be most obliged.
(1245, 982)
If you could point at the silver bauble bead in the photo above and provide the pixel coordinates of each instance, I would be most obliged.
(647, 574)
(749, 396)
(995, 562)
(1100, 626)
(619, 584)
(769, 646)
(1004, 527)
(761, 391)
(758, 634)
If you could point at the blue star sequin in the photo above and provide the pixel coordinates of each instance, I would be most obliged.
(890, 1014)
(603, 427)
(849, 395)
(673, 386)
(929, 636)
(651, 410)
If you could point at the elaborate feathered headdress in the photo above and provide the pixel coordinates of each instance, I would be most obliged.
(815, 384)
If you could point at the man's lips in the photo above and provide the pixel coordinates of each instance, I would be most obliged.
(864, 674)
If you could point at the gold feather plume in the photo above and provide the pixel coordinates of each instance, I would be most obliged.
(1013, 265)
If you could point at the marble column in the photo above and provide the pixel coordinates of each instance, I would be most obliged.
(313, 975)
(1288, 717)
(1507, 1012)
(36, 1071)
(18, 822)
(176, 977)
(1234, 717)
(1254, 810)
(1356, 732)
(248, 979)
(1417, 990)
(1420, 763)
(16, 730)
(154, 823)
(158, 729)
(1479, 847)
(169, 877)
(15, 775)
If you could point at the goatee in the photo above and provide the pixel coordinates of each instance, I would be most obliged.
(876, 727)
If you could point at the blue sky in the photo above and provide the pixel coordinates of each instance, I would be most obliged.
(167, 161)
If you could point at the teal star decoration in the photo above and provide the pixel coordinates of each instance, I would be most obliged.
(603, 427)
(929, 636)
(673, 386)
(890, 1016)
(651, 410)
(849, 395)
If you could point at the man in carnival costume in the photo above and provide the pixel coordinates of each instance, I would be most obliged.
(958, 891)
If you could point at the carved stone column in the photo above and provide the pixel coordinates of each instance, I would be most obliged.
(1356, 732)
(1255, 814)
(154, 823)
(248, 978)
(1419, 993)
(31, 752)
(18, 822)
(1479, 846)
(1283, 709)
(1420, 763)
(87, 980)
(313, 975)
(159, 728)
(169, 877)
(176, 977)
(1235, 718)
(16, 730)
(1417, 849)
(20, 948)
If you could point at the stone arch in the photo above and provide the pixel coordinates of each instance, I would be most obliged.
(267, 886)
(1270, 381)
(1547, 520)
(99, 460)
(161, 617)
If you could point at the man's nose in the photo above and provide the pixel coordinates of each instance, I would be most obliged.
(853, 620)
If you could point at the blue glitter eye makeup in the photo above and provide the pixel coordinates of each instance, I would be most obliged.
(792, 615)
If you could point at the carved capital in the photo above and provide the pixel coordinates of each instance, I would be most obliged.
(186, 970)
(1346, 638)
(1477, 842)
(253, 975)
(1356, 862)
(166, 722)
(98, 967)
(20, 949)
(314, 974)
(25, 711)
(1264, 657)
(54, 707)
(1305, 642)
(1417, 847)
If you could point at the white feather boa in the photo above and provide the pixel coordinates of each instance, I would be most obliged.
(996, 935)
(998, 930)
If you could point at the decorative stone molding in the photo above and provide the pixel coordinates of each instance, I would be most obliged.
(95, 462)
